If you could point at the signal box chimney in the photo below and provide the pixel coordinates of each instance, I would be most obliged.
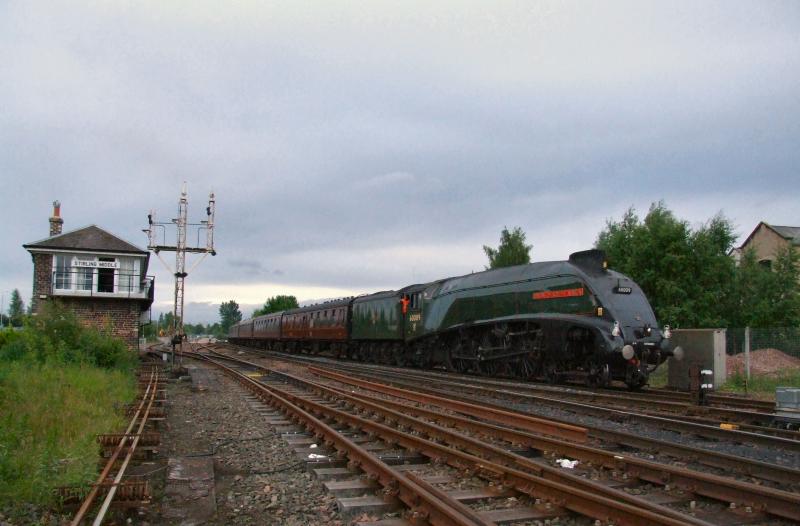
(56, 222)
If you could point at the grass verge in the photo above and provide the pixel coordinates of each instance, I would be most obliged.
(659, 378)
(61, 384)
(49, 416)
(738, 383)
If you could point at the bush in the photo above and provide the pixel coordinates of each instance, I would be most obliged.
(55, 335)
(7, 336)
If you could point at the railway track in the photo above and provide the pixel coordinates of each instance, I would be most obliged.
(658, 398)
(113, 485)
(708, 427)
(700, 454)
(426, 503)
(502, 454)
(716, 422)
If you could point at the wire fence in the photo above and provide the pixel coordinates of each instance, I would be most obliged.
(763, 353)
(784, 339)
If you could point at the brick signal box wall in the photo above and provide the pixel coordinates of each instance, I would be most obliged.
(116, 318)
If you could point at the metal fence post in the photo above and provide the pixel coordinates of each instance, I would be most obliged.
(747, 351)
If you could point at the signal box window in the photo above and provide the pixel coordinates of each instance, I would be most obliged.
(105, 277)
(63, 276)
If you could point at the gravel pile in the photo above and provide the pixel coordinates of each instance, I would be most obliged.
(763, 362)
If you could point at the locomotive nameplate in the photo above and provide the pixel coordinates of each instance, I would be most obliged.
(623, 290)
(552, 294)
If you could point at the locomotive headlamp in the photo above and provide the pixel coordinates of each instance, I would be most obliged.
(615, 331)
(667, 332)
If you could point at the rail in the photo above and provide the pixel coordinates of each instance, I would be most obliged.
(129, 439)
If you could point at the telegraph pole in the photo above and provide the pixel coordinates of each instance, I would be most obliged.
(181, 249)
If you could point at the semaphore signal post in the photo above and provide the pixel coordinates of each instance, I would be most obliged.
(181, 249)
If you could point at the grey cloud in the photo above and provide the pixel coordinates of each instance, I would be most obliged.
(249, 265)
(334, 135)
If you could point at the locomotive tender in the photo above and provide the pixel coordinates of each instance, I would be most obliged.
(554, 320)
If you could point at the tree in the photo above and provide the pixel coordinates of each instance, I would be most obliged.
(217, 331)
(511, 251)
(197, 329)
(686, 275)
(166, 323)
(277, 304)
(787, 288)
(229, 314)
(16, 308)
(767, 297)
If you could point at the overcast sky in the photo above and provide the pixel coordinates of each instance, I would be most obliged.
(361, 146)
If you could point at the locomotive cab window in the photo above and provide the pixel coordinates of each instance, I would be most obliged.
(414, 301)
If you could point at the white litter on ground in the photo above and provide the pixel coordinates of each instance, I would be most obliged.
(314, 456)
(567, 463)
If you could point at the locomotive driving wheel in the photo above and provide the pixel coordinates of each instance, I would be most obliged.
(551, 372)
(599, 376)
(529, 364)
(526, 367)
(496, 366)
(399, 355)
(462, 357)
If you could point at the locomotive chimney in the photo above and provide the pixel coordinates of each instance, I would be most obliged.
(56, 222)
